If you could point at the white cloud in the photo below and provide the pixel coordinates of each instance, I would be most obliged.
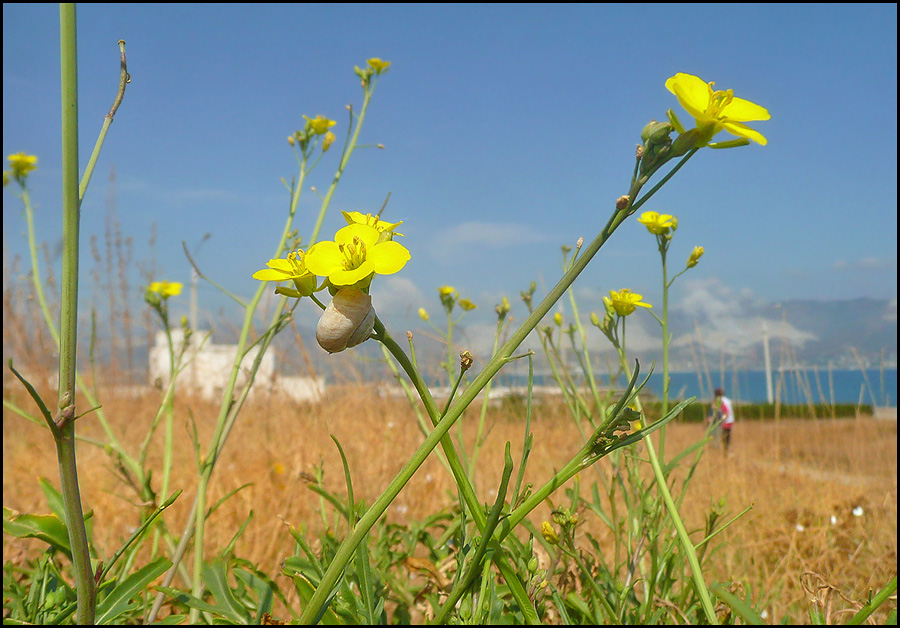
(890, 313)
(493, 235)
(396, 296)
(732, 321)
(866, 264)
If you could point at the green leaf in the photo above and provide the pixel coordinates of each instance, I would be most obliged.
(216, 578)
(739, 606)
(186, 599)
(47, 528)
(264, 593)
(54, 498)
(117, 602)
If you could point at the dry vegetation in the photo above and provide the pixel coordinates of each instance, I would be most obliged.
(797, 475)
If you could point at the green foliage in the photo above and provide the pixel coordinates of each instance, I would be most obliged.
(696, 412)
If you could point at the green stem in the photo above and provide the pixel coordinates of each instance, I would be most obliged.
(65, 442)
(479, 433)
(344, 554)
(124, 79)
(686, 545)
(345, 158)
(227, 415)
(665, 356)
(474, 567)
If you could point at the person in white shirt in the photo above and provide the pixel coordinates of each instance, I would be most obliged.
(725, 409)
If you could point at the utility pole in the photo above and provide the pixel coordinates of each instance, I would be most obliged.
(770, 396)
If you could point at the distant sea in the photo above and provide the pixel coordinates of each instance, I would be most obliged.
(843, 386)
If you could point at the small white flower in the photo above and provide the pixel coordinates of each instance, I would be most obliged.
(390, 425)
(833, 520)
(858, 511)
(800, 527)
(764, 614)
(402, 508)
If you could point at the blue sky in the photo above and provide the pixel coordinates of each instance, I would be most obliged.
(509, 131)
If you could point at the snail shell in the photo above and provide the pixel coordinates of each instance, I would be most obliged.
(347, 321)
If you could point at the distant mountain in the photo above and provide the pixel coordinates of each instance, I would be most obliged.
(803, 331)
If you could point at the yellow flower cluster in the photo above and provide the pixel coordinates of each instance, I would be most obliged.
(165, 289)
(20, 164)
(658, 224)
(359, 251)
(623, 302)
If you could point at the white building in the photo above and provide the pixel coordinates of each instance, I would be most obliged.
(208, 368)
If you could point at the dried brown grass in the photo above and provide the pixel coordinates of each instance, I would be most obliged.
(796, 474)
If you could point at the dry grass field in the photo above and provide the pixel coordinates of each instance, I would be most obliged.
(803, 479)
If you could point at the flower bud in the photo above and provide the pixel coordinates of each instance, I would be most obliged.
(549, 533)
(326, 143)
(595, 320)
(696, 254)
(656, 131)
(347, 321)
(423, 314)
(608, 304)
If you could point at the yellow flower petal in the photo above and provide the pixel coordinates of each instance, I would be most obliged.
(270, 274)
(349, 277)
(367, 234)
(741, 110)
(324, 257)
(388, 257)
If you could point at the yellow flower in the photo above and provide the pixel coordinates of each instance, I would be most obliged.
(558, 319)
(165, 289)
(716, 110)
(466, 305)
(446, 291)
(293, 268)
(320, 124)
(355, 256)
(549, 533)
(326, 143)
(696, 254)
(423, 314)
(22, 164)
(624, 301)
(373, 221)
(658, 224)
(378, 65)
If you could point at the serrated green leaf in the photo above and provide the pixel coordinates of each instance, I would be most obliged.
(216, 578)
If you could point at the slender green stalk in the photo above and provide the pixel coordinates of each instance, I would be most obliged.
(665, 355)
(345, 158)
(686, 543)
(344, 554)
(474, 567)
(316, 605)
(65, 442)
(124, 79)
(479, 433)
